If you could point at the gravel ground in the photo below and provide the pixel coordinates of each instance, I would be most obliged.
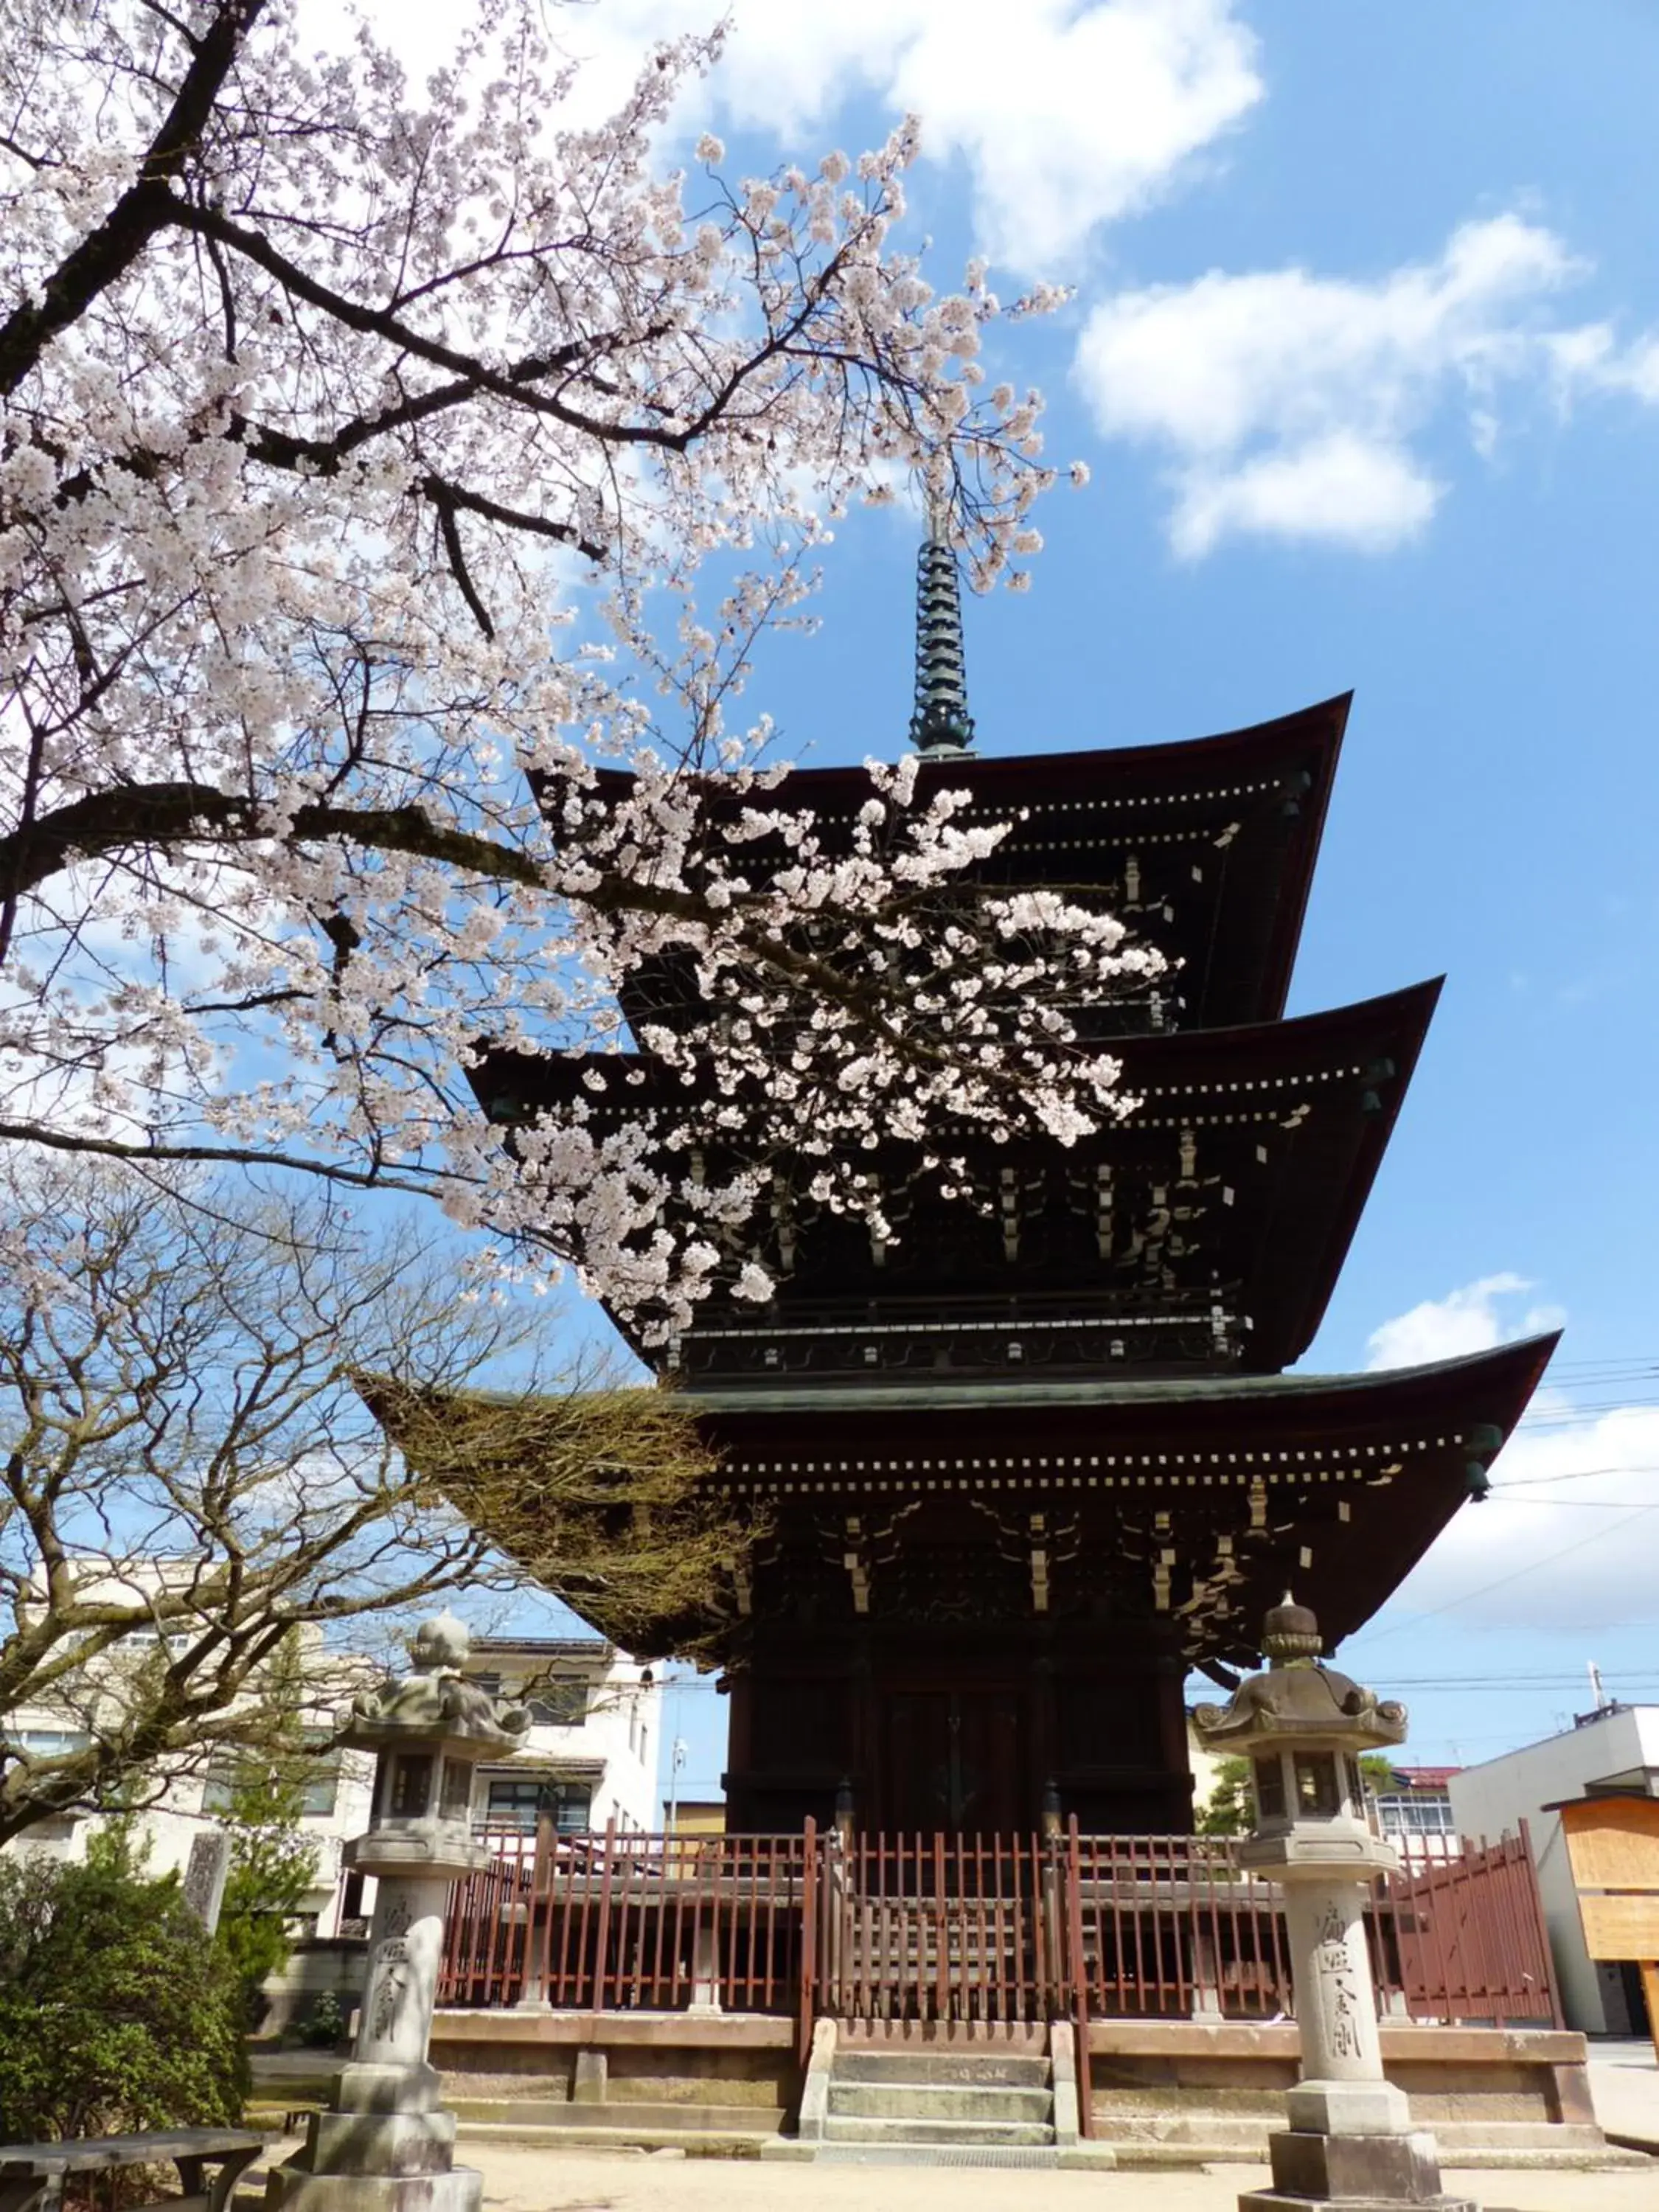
(520, 2180)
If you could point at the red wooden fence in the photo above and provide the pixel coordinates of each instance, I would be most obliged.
(1472, 1942)
(611, 1922)
(996, 1930)
(1171, 1926)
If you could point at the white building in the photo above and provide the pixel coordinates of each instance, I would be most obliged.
(596, 1731)
(334, 1805)
(1413, 1811)
(1617, 1744)
(590, 1757)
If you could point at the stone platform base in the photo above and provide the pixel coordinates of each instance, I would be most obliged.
(1353, 2174)
(289, 2189)
(1166, 2092)
(368, 2159)
(1274, 2200)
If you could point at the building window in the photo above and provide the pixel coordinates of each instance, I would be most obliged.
(320, 1791)
(560, 1704)
(45, 1743)
(519, 1801)
(219, 1790)
(1415, 1816)
(645, 1741)
(512, 1804)
(574, 1808)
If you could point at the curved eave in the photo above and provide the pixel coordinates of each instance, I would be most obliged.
(1253, 1054)
(1215, 1077)
(1209, 1064)
(1370, 1469)
(1110, 794)
(1188, 1413)
(1155, 1441)
(1172, 771)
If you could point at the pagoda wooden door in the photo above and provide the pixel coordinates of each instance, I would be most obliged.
(952, 1762)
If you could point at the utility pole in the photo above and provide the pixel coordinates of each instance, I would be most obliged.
(676, 1761)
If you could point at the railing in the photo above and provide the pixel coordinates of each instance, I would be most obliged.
(633, 1923)
(938, 1928)
(1172, 1926)
(487, 1935)
(998, 1930)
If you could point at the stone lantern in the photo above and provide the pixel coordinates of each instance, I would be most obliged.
(1302, 1727)
(386, 2145)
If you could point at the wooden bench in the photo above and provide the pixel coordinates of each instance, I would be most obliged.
(31, 2175)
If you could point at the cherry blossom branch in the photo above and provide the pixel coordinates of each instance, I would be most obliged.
(106, 255)
(306, 384)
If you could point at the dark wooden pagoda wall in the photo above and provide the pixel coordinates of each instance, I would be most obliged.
(958, 1731)
(923, 1673)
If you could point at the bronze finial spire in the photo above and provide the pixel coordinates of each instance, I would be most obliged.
(941, 722)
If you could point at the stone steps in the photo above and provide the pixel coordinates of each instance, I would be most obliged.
(987, 2067)
(966, 2104)
(943, 2101)
(839, 2128)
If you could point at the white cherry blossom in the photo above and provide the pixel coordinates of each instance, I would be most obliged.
(360, 449)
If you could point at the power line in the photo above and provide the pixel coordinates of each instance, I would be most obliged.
(1577, 1475)
(1469, 1597)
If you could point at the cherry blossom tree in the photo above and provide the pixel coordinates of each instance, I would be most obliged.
(378, 468)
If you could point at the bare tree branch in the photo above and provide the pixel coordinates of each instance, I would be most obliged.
(198, 1494)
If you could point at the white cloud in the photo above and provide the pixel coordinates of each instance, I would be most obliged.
(1569, 1537)
(1067, 115)
(1381, 497)
(1294, 405)
(1591, 359)
(1569, 1534)
(1464, 1321)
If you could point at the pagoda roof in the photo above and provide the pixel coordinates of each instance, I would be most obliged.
(1307, 1401)
(1203, 846)
(1192, 1503)
(1215, 1494)
(1209, 1227)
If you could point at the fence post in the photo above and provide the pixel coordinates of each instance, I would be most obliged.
(602, 1940)
(538, 1928)
(1076, 1966)
(1051, 1955)
(808, 1939)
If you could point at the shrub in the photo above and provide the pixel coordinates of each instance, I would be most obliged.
(325, 2024)
(273, 1868)
(1228, 1811)
(115, 2016)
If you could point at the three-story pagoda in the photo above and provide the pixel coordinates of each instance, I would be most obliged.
(1026, 1464)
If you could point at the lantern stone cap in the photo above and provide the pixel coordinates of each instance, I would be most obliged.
(441, 1849)
(433, 1706)
(1296, 1698)
(1310, 1849)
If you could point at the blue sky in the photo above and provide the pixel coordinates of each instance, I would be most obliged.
(1364, 361)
